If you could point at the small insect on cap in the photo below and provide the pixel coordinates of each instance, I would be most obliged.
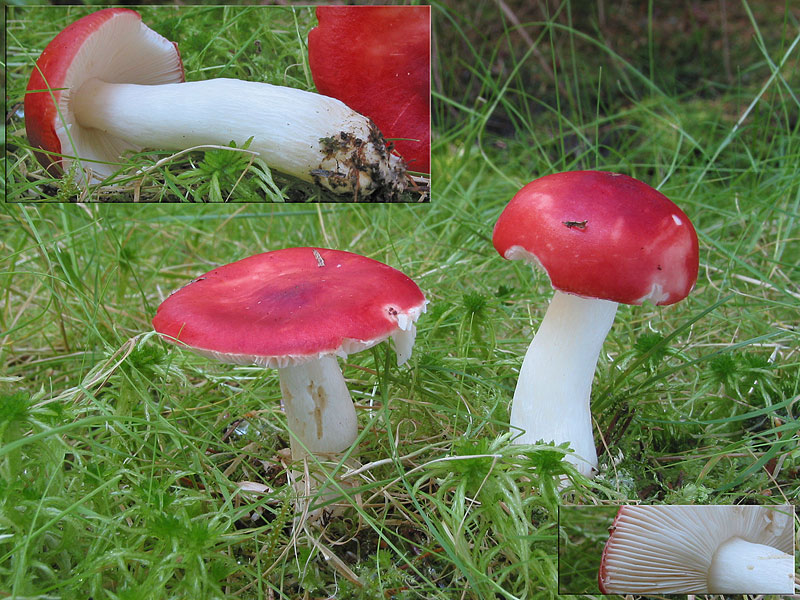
(602, 235)
(289, 306)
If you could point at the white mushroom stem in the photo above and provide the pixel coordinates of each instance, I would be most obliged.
(741, 567)
(319, 410)
(310, 136)
(551, 401)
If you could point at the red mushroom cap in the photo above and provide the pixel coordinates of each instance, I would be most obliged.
(377, 60)
(112, 45)
(287, 306)
(602, 235)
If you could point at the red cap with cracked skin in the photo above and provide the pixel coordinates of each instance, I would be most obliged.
(377, 60)
(602, 235)
(112, 45)
(287, 306)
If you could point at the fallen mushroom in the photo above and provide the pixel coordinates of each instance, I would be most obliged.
(699, 549)
(603, 238)
(108, 84)
(296, 310)
(383, 71)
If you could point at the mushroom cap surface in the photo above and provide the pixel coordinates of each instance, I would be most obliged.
(285, 307)
(377, 60)
(112, 45)
(602, 235)
(675, 545)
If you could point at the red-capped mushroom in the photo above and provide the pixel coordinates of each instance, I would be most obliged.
(296, 310)
(376, 59)
(108, 84)
(603, 238)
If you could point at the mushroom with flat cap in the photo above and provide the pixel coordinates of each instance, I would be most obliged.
(108, 84)
(699, 549)
(296, 310)
(603, 238)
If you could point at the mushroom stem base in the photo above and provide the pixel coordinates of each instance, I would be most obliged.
(319, 410)
(551, 401)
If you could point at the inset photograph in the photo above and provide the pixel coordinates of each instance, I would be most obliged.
(677, 549)
(219, 104)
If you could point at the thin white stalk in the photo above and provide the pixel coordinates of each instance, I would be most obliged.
(551, 401)
(319, 410)
(742, 567)
(307, 135)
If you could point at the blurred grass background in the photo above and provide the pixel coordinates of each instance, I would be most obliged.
(131, 470)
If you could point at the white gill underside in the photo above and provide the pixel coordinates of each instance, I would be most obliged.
(551, 401)
(288, 127)
(738, 567)
(673, 549)
(403, 337)
(406, 332)
(122, 50)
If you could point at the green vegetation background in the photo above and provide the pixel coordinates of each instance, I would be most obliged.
(129, 469)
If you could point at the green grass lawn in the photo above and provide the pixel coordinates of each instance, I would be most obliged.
(130, 469)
